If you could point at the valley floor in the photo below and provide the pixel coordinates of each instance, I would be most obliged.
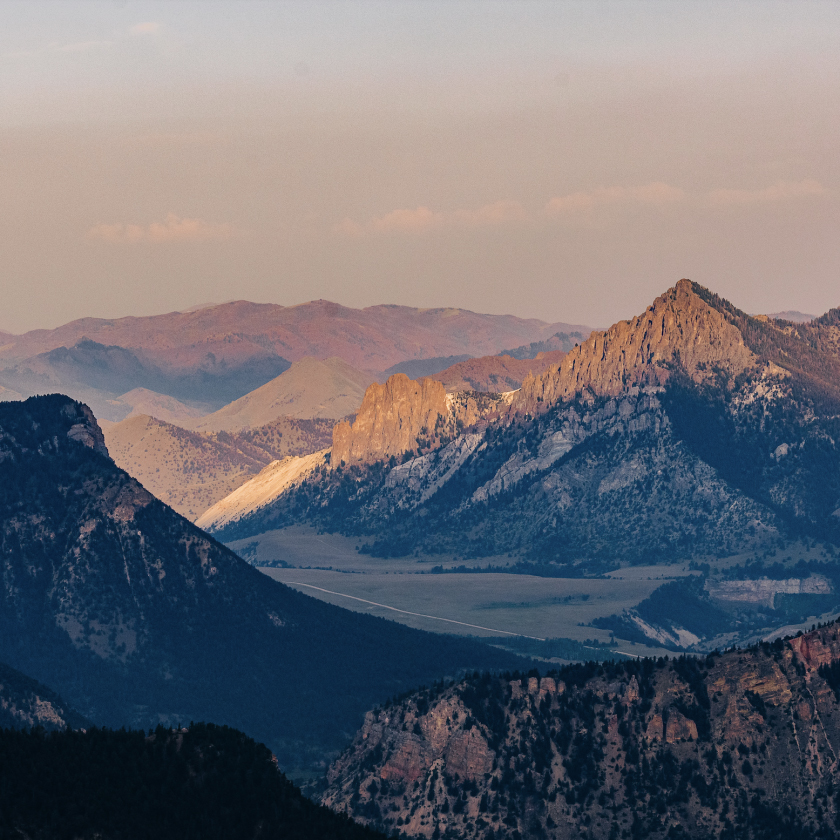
(490, 604)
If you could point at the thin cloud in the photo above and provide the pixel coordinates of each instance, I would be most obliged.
(498, 213)
(148, 28)
(423, 219)
(173, 229)
(656, 193)
(778, 192)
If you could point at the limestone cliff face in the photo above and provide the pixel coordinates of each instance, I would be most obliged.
(390, 420)
(405, 415)
(688, 748)
(678, 325)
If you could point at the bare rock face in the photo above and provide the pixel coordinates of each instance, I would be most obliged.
(86, 430)
(390, 420)
(677, 326)
(746, 736)
(406, 415)
(680, 728)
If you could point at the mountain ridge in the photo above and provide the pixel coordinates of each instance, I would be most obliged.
(310, 388)
(136, 616)
(691, 432)
(736, 745)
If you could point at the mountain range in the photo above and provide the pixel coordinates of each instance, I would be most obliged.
(137, 617)
(214, 355)
(289, 416)
(692, 433)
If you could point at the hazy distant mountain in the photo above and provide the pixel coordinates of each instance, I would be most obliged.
(159, 406)
(242, 335)
(793, 316)
(560, 341)
(496, 373)
(309, 388)
(689, 432)
(137, 617)
(738, 745)
(99, 374)
(191, 471)
(417, 368)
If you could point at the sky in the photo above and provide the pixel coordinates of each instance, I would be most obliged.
(561, 160)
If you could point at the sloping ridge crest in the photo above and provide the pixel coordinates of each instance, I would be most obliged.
(678, 325)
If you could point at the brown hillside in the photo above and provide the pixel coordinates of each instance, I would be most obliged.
(309, 388)
(191, 471)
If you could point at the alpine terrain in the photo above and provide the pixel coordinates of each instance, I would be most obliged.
(691, 433)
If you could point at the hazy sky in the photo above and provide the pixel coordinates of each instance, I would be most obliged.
(567, 161)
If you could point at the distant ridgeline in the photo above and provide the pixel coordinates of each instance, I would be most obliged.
(559, 341)
(199, 783)
(690, 432)
(735, 746)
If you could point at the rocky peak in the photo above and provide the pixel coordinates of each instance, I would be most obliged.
(678, 326)
(46, 423)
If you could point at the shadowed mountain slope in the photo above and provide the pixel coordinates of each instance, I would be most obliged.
(205, 781)
(25, 703)
(137, 617)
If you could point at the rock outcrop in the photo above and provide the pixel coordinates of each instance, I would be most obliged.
(747, 740)
(677, 327)
(391, 419)
(407, 415)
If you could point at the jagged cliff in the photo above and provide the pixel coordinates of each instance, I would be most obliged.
(678, 327)
(743, 744)
(406, 415)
